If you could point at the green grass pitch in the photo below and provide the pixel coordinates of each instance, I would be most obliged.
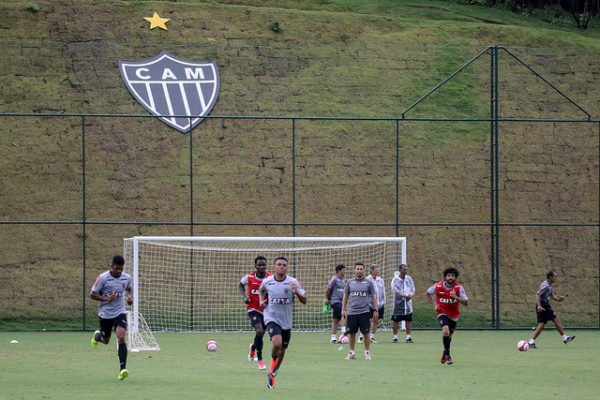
(61, 365)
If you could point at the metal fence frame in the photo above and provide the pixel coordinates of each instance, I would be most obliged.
(494, 223)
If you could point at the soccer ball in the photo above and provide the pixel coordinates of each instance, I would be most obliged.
(212, 345)
(523, 345)
(343, 339)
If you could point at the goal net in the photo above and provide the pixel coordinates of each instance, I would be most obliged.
(191, 283)
(139, 335)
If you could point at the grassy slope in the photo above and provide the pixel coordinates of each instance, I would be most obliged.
(332, 58)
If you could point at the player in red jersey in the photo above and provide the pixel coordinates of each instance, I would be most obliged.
(449, 295)
(249, 285)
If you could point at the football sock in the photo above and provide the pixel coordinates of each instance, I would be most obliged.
(273, 365)
(565, 337)
(446, 340)
(343, 330)
(258, 343)
(122, 355)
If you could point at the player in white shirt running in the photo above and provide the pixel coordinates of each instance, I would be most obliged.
(277, 293)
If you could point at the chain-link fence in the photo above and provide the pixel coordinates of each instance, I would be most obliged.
(502, 196)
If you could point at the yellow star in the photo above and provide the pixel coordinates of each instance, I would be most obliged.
(157, 22)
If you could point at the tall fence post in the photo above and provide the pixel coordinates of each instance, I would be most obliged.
(293, 176)
(191, 268)
(397, 178)
(494, 209)
(191, 144)
(83, 222)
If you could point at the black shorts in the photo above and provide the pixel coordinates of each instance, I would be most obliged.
(256, 318)
(336, 310)
(445, 320)
(274, 330)
(107, 325)
(380, 312)
(398, 318)
(545, 316)
(360, 321)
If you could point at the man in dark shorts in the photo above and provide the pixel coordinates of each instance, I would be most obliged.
(112, 288)
(277, 294)
(544, 310)
(334, 294)
(449, 295)
(355, 307)
(403, 289)
(249, 285)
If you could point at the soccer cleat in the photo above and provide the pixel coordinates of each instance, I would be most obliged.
(360, 339)
(351, 356)
(443, 360)
(373, 339)
(532, 344)
(368, 355)
(251, 353)
(94, 341)
(409, 340)
(567, 340)
(333, 339)
(449, 360)
(394, 340)
(271, 381)
(261, 364)
(123, 374)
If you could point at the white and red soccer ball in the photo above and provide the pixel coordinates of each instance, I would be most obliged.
(523, 345)
(343, 339)
(212, 345)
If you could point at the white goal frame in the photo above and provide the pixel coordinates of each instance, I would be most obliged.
(388, 265)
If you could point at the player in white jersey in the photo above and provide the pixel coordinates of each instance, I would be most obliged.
(277, 293)
(381, 299)
(404, 290)
(112, 288)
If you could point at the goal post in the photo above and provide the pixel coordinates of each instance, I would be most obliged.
(191, 283)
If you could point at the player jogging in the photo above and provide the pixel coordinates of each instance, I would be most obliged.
(544, 310)
(277, 294)
(249, 285)
(358, 294)
(449, 295)
(111, 289)
(334, 294)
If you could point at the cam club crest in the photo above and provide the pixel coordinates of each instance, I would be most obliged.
(179, 92)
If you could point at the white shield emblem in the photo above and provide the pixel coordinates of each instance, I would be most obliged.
(177, 91)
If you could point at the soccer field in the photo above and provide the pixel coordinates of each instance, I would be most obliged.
(61, 365)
